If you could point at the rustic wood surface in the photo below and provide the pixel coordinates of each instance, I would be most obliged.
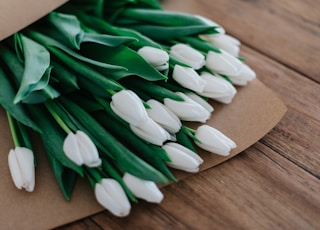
(275, 183)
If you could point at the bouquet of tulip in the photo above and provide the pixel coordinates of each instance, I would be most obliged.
(110, 87)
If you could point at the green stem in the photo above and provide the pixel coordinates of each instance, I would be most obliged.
(58, 119)
(13, 130)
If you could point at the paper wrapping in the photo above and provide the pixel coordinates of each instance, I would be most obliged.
(254, 111)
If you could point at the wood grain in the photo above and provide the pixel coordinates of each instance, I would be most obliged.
(275, 183)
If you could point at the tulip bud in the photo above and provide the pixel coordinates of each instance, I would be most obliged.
(143, 189)
(111, 196)
(21, 165)
(163, 116)
(188, 78)
(188, 55)
(156, 57)
(200, 101)
(81, 150)
(224, 42)
(187, 110)
(182, 158)
(226, 64)
(218, 88)
(214, 141)
(151, 132)
(127, 105)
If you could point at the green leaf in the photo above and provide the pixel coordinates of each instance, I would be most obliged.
(65, 177)
(152, 89)
(63, 77)
(162, 17)
(167, 33)
(54, 45)
(122, 56)
(102, 26)
(36, 73)
(18, 111)
(70, 28)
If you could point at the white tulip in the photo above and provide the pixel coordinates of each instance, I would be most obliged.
(188, 78)
(214, 141)
(21, 165)
(182, 158)
(127, 105)
(218, 88)
(188, 55)
(144, 189)
(151, 132)
(200, 101)
(156, 57)
(226, 64)
(111, 196)
(80, 149)
(163, 116)
(225, 42)
(187, 110)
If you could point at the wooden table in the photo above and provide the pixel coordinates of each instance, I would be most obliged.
(274, 184)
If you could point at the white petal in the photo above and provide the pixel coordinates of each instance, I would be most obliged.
(156, 57)
(187, 110)
(71, 149)
(186, 151)
(88, 150)
(225, 42)
(21, 164)
(214, 141)
(112, 197)
(181, 159)
(188, 78)
(127, 105)
(143, 189)
(151, 132)
(201, 101)
(163, 116)
(218, 88)
(15, 169)
(188, 55)
(223, 63)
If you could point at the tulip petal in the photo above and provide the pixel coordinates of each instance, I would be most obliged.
(127, 105)
(188, 78)
(88, 150)
(143, 189)
(187, 110)
(188, 55)
(218, 88)
(200, 101)
(151, 132)
(154, 56)
(15, 169)
(71, 149)
(181, 159)
(111, 196)
(21, 165)
(214, 141)
(163, 116)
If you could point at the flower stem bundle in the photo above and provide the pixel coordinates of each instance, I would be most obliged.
(110, 87)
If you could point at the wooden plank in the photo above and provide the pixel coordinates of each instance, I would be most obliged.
(297, 137)
(287, 31)
(256, 190)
